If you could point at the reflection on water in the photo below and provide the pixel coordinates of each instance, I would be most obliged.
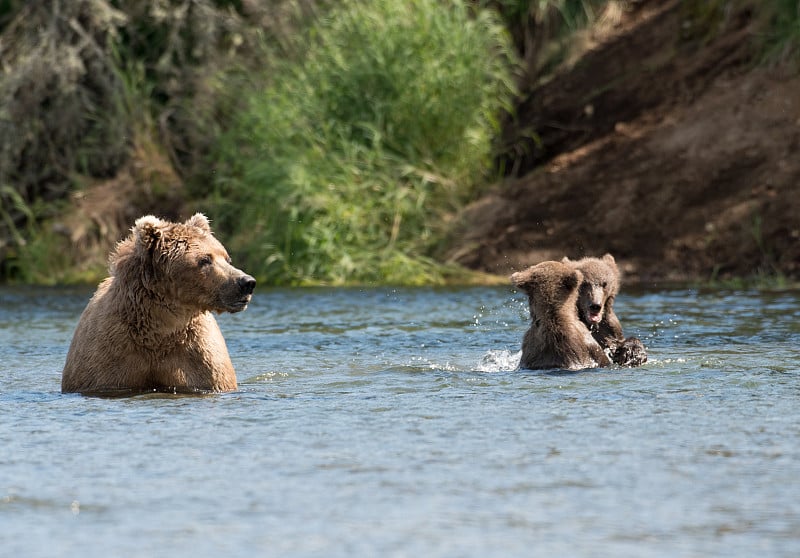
(393, 422)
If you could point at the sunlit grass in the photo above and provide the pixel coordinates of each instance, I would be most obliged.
(343, 168)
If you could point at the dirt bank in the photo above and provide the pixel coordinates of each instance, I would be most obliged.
(664, 145)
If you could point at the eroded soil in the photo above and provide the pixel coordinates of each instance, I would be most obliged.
(675, 153)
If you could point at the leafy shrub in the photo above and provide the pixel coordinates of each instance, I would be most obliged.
(86, 84)
(343, 168)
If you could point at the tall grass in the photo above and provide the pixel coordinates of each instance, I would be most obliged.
(543, 31)
(343, 168)
(782, 37)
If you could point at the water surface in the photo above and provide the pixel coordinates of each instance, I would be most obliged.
(389, 422)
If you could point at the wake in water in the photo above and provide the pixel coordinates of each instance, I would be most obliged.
(497, 360)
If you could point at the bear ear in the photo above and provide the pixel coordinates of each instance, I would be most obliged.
(524, 279)
(608, 259)
(518, 279)
(570, 281)
(565, 260)
(200, 221)
(148, 230)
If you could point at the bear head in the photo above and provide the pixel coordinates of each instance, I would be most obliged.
(182, 265)
(599, 288)
(550, 286)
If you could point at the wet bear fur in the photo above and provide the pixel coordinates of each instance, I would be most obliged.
(599, 289)
(149, 325)
(556, 337)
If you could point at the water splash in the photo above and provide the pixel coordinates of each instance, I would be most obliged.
(499, 360)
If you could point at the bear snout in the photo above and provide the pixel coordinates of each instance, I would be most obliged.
(595, 315)
(246, 284)
(236, 294)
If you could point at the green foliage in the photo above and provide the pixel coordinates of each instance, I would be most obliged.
(55, 103)
(782, 39)
(7, 10)
(88, 85)
(778, 33)
(703, 20)
(573, 14)
(546, 33)
(343, 168)
(55, 97)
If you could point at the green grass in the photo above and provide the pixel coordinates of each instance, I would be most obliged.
(782, 36)
(344, 168)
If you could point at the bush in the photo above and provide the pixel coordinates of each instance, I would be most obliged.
(344, 168)
(87, 86)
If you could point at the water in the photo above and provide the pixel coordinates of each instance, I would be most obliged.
(392, 423)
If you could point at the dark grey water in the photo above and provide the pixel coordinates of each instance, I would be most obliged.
(391, 423)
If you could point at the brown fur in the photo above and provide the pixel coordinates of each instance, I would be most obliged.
(599, 289)
(556, 337)
(149, 325)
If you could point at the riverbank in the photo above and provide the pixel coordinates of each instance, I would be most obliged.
(674, 153)
(665, 133)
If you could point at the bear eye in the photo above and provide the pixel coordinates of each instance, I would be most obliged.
(204, 261)
(604, 285)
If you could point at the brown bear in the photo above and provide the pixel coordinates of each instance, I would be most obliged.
(149, 326)
(556, 337)
(599, 289)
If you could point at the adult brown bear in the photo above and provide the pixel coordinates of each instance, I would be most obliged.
(149, 326)
(557, 338)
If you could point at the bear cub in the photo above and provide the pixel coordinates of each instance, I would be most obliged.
(557, 338)
(598, 290)
(149, 325)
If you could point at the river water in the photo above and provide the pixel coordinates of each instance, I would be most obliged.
(390, 422)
